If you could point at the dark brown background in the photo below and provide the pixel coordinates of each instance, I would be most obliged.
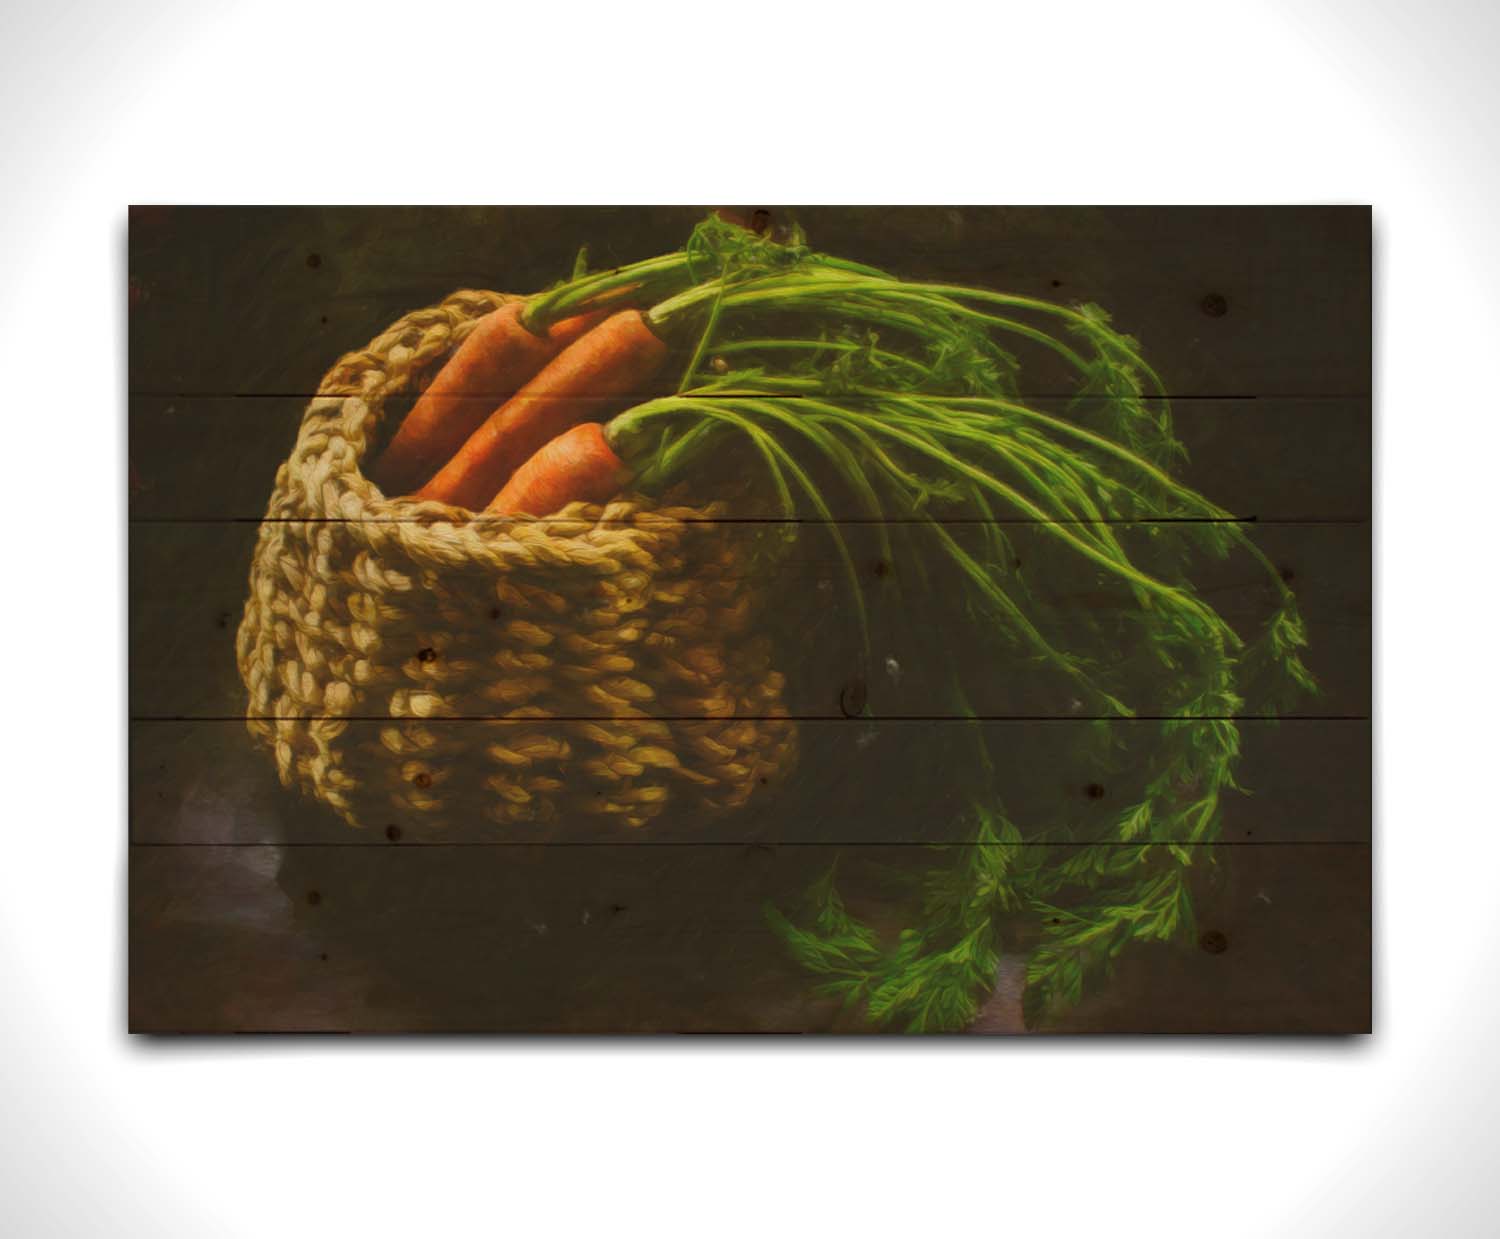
(252, 909)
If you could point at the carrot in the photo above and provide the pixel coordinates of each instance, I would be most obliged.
(496, 358)
(578, 464)
(587, 380)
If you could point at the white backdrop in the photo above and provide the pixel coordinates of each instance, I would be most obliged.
(105, 104)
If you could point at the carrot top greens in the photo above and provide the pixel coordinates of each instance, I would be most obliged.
(915, 408)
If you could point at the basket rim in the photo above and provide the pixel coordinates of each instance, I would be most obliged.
(322, 480)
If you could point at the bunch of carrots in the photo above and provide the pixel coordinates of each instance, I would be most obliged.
(509, 424)
(841, 387)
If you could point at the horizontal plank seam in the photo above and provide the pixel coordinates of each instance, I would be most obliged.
(759, 718)
(155, 394)
(757, 520)
(757, 844)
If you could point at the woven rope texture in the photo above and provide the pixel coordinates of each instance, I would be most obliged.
(405, 662)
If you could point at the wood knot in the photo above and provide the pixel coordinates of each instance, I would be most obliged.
(1214, 941)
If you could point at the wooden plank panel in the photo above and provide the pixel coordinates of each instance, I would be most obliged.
(643, 940)
(255, 908)
(1308, 780)
(188, 583)
(1271, 458)
(1227, 301)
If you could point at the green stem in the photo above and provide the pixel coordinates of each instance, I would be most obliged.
(1193, 501)
(1168, 593)
(644, 281)
(804, 293)
(776, 456)
(729, 347)
(1085, 514)
(703, 338)
(1095, 329)
(842, 460)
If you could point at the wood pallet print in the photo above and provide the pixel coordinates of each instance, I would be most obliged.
(759, 619)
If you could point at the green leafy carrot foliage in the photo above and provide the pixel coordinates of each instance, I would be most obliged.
(850, 393)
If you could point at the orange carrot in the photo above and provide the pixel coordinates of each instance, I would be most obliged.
(496, 358)
(578, 464)
(589, 379)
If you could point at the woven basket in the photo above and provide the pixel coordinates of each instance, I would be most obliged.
(405, 664)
